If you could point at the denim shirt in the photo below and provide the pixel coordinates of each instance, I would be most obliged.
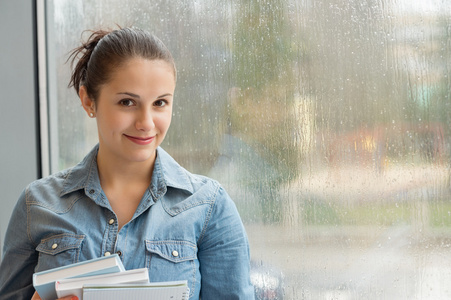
(185, 228)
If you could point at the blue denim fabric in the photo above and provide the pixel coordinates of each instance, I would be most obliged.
(185, 228)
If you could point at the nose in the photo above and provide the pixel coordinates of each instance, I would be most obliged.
(144, 120)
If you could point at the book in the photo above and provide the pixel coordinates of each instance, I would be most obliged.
(74, 286)
(44, 281)
(174, 290)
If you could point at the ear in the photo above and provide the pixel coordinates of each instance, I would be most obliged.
(86, 101)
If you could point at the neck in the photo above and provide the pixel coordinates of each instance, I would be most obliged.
(115, 172)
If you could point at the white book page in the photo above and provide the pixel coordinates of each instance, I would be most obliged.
(170, 293)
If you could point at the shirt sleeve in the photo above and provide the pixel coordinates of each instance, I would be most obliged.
(224, 253)
(19, 256)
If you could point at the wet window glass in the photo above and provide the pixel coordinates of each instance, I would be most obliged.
(326, 121)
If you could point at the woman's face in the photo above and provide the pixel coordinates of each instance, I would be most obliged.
(134, 110)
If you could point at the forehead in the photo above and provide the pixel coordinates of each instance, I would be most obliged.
(140, 64)
(137, 71)
(146, 78)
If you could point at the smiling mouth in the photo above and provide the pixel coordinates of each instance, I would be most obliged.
(140, 140)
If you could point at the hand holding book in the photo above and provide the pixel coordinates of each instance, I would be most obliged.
(37, 297)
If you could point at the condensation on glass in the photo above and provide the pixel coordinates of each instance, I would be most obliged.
(326, 121)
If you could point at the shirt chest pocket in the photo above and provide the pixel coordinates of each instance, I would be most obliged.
(173, 260)
(59, 250)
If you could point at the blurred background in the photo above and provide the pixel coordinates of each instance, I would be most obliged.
(326, 121)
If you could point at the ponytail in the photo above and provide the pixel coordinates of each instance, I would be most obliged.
(85, 51)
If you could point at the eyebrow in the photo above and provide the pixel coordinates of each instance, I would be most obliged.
(129, 94)
(137, 96)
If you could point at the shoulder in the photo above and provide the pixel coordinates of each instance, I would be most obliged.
(186, 189)
(49, 184)
(63, 183)
(42, 192)
(46, 191)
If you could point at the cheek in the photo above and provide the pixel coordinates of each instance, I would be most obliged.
(164, 121)
(113, 123)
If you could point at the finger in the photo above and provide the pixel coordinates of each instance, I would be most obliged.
(35, 296)
(68, 298)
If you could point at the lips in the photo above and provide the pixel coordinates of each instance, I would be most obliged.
(140, 140)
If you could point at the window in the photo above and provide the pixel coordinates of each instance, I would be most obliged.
(326, 121)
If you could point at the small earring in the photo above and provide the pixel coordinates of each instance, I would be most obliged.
(91, 115)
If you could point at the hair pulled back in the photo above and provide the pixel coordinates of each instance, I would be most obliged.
(105, 51)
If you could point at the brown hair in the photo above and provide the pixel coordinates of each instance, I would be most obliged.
(105, 51)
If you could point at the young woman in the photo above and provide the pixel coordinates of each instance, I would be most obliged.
(128, 196)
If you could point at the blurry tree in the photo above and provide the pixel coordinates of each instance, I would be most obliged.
(261, 104)
(364, 60)
(352, 70)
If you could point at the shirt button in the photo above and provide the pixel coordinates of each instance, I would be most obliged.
(54, 246)
(111, 221)
(107, 253)
(175, 253)
(92, 191)
(119, 253)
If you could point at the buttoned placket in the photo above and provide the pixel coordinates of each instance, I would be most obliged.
(112, 227)
(114, 222)
(121, 238)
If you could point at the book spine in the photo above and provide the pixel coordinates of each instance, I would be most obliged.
(47, 291)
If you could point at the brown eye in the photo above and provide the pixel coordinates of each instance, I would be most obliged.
(160, 103)
(126, 102)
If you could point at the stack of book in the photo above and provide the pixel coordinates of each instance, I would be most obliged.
(105, 278)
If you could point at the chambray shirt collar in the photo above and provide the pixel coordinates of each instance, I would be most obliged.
(84, 176)
(172, 173)
(167, 173)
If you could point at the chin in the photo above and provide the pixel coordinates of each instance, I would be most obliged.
(143, 156)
